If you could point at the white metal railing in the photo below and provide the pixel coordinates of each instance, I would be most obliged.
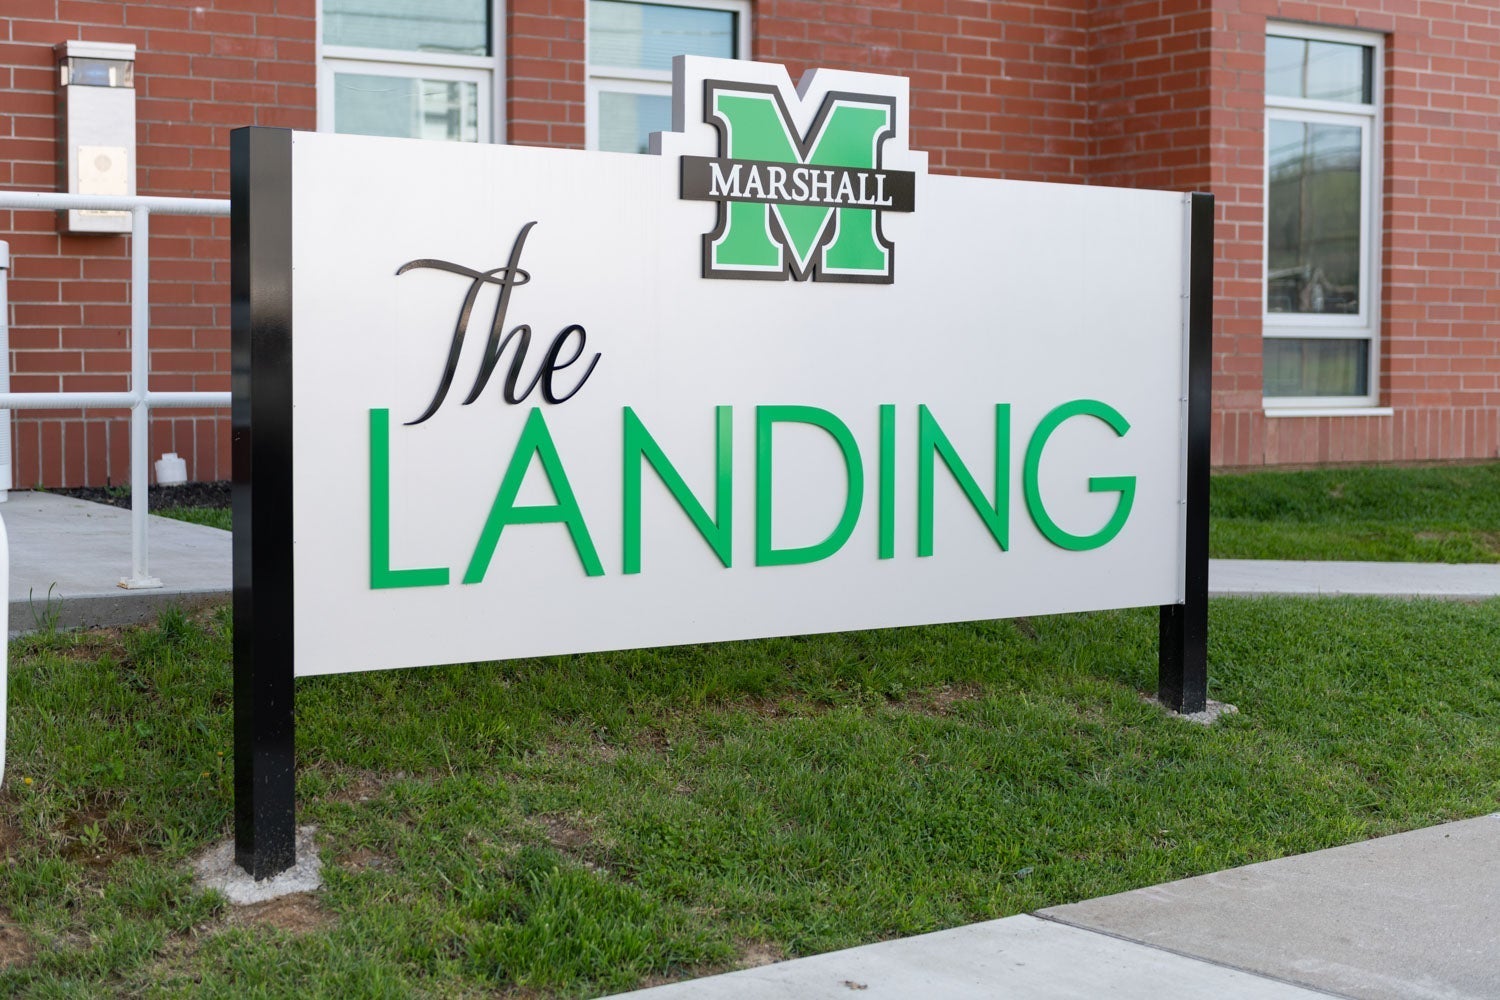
(139, 399)
(4, 638)
(5, 478)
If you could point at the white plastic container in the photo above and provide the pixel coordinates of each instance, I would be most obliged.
(171, 470)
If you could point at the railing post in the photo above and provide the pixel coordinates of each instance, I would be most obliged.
(140, 411)
(4, 638)
(5, 480)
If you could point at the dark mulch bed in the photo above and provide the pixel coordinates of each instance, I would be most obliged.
(159, 497)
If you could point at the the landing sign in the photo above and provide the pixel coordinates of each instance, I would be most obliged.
(777, 378)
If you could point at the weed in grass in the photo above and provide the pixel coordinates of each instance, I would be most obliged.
(44, 619)
(91, 838)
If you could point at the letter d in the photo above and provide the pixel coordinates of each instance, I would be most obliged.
(766, 417)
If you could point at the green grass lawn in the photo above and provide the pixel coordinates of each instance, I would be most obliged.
(214, 517)
(576, 825)
(1447, 514)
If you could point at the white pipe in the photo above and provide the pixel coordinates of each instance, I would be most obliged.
(109, 400)
(5, 477)
(4, 636)
(184, 400)
(68, 400)
(140, 364)
(113, 203)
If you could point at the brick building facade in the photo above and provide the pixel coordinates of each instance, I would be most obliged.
(1367, 332)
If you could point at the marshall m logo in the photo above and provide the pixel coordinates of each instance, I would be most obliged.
(798, 206)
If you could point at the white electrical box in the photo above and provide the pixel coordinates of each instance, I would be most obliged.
(96, 130)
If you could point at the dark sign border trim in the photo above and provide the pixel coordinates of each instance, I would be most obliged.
(1182, 632)
(260, 297)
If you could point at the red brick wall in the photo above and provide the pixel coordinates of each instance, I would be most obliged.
(1149, 95)
(545, 53)
(1440, 348)
(201, 70)
(998, 89)
(1144, 93)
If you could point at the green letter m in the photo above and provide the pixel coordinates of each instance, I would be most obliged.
(777, 241)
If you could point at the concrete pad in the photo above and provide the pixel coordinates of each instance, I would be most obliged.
(77, 551)
(1266, 577)
(216, 869)
(1021, 958)
(1415, 916)
(1212, 712)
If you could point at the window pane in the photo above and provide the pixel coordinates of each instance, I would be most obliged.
(1324, 71)
(405, 107)
(626, 121)
(1315, 209)
(458, 26)
(647, 35)
(1309, 367)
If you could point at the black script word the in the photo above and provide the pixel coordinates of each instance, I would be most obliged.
(508, 278)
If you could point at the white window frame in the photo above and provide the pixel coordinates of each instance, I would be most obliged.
(488, 72)
(622, 79)
(1369, 118)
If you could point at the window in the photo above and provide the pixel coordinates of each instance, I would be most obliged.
(1322, 290)
(420, 69)
(631, 46)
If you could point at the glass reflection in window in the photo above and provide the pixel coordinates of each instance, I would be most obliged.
(1313, 223)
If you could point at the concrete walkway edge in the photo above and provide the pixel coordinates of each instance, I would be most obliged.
(1269, 577)
(1019, 958)
(1414, 916)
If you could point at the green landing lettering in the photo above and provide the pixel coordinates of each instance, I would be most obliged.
(640, 449)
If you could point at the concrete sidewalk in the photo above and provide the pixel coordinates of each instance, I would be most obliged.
(1415, 916)
(1265, 577)
(67, 557)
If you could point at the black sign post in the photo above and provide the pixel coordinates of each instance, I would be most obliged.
(260, 237)
(1182, 659)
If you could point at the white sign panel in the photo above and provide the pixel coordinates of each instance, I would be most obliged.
(777, 379)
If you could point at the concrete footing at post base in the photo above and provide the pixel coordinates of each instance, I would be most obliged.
(216, 869)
